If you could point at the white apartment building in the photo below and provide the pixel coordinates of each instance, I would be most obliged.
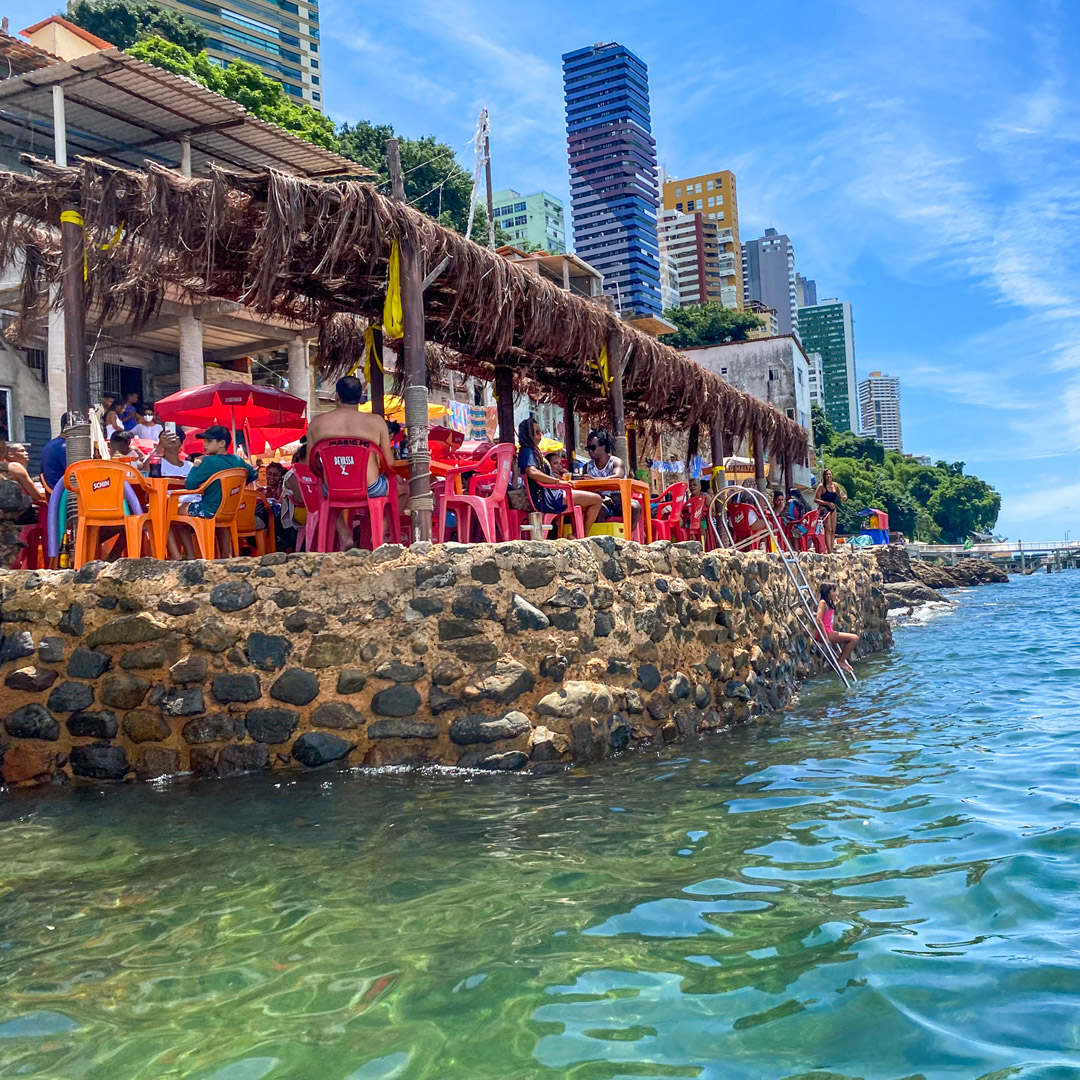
(879, 410)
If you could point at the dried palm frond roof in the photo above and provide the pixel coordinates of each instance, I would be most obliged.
(319, 252)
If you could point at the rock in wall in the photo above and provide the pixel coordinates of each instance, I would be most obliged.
(526, 655)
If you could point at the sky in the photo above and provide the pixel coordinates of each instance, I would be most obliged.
(923, 157)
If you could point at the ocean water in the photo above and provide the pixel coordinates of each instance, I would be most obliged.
(880, 884)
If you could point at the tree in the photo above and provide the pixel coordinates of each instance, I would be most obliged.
(963, 505)
(709, 324)
(242, 82)
(124, 22)
(824, 432)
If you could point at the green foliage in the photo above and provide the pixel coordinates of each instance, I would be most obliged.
(242, 82)
(931, 503)
(709, 324)
(124, 22)
(824, 432)
(434, 182)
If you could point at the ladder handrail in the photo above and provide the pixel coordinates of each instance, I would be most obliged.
(717, 512)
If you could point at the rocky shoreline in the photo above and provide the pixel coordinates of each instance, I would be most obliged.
(910, 582)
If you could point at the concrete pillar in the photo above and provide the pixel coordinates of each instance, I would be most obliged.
(300, 370)
(57, 363)
(192, 370)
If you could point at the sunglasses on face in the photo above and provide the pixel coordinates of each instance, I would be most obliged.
(591, 447)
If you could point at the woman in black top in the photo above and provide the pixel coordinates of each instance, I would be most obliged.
(828, 496)
(534, 470)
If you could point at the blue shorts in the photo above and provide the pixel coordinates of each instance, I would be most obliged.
(379, 487)
(197, 510)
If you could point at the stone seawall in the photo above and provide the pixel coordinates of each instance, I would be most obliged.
(529, 655)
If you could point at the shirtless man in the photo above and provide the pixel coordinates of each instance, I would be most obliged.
(13, 462)
(345, 421)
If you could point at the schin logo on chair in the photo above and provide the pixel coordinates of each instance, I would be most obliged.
(99, 484)
(233, 491)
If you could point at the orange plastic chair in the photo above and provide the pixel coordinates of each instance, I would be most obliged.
(233, 485)
(98, 487)
(246, 529)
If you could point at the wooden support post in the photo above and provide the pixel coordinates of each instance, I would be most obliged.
(615, 394)
(414, 361)
(759, 460)
(716, 445)
(504, 393)
(571, 431)
(73, 288)
(631, 448)
(377, 388)
(789, 473)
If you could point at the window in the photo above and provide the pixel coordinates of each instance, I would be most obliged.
(712, 200)
(689, 205)
(791, 414)
(315, 64)
(518, 207)
(708, 185)
(723, 371)
(678, 192)
(38, 362)
(316, 96)
(314, 80)
(773, 375)
(697, 189)
(678, 206)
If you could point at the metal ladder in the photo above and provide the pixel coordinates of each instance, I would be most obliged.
(805, 604)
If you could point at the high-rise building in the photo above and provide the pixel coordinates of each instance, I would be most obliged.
(879, 410)
(714, 197)
(827, 328)
(692, 246)
(535, 219)
(817, 379)
(612, 155)
(278, 36)
(768, 269)
(805, 291)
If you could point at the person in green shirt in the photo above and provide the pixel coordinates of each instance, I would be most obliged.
(216, 458)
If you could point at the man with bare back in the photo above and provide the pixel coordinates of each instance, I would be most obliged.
(345, 421)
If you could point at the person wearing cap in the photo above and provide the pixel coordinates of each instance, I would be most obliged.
(216, 458)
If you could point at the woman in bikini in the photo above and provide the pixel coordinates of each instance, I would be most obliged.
(826, 609)
(828, 496)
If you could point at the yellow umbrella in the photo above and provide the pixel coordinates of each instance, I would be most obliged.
(395, 409)
(550, 446)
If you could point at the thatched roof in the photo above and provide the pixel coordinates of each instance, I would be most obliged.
(318, 252)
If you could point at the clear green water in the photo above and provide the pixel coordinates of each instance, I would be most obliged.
(879, 885)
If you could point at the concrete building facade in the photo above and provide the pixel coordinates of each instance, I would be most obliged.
(612, 157)
(693, 247)
(805, 291)
(817, 380)
(827, 328)
(714, 197)
(536, 219)
(768, 268)
(879, 410)
(775, 370)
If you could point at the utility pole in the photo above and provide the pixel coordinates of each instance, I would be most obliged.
(487, 176)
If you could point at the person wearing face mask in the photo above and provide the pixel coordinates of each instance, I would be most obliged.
(146, 428)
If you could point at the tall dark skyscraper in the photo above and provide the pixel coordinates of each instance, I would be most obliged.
(613, 187)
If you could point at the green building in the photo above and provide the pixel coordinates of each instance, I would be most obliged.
(535, 219)
(826, 328)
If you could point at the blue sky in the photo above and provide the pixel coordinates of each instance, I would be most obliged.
(923, 157)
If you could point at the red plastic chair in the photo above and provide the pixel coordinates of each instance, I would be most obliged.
(668, 511)
(739, 518)
(344, 467)
(486, 500)
(98, 487)
(695, 510)
(310, 489)
(572, 511)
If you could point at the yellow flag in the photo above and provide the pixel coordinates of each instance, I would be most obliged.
(393, 320)
(370, 353)
(601, 367)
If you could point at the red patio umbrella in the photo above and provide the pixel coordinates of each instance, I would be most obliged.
(269, 418)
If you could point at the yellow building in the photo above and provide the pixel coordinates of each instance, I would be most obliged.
(713, 196)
